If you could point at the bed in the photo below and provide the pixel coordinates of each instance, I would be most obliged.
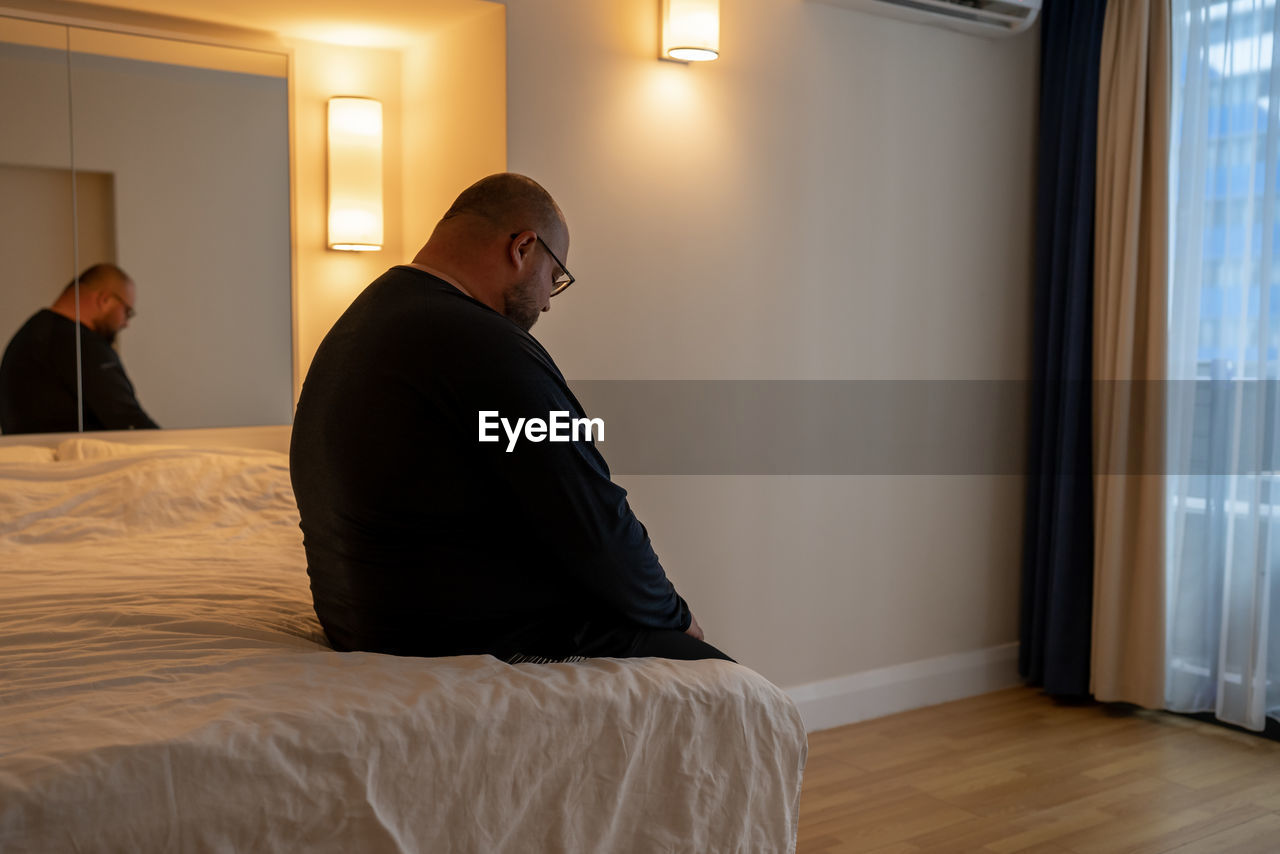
(164, 686)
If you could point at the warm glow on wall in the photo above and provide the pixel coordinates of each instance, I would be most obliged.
(690, 30)
(355, 174)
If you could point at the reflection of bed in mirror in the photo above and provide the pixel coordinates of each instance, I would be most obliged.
(180, 158)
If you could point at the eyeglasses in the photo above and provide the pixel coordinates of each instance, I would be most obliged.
(565, 279)
(128, 309)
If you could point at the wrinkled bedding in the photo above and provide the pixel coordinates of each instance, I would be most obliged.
(164, 686)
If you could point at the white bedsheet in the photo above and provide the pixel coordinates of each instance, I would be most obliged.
(164, 686)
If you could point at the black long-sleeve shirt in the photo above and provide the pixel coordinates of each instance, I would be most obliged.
(422, 540)
(38, 380)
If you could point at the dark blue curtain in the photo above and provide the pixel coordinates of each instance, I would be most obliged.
(1057, 566)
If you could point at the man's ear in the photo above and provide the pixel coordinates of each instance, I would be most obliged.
(521, 247)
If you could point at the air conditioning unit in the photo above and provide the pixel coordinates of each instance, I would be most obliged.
(991, 18)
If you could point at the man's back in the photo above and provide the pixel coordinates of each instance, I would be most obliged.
(38, 380)
(422, 540)
(38, 377)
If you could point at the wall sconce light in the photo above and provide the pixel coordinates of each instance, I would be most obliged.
(690, 30)
(355, 174)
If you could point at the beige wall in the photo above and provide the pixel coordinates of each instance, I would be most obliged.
(444, 124)
(455, 126)
(840, 196)
(326, 280)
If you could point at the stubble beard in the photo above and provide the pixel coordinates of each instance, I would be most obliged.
(108, 335)
(520, 304)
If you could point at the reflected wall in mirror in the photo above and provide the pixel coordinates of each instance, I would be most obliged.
(180, 159)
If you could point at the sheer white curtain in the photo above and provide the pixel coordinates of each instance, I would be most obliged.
(1224, 335)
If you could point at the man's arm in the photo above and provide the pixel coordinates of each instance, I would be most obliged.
(108, 394)
(591, 531)
(564, 488)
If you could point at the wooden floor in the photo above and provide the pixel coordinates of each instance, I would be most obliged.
(1014, 771)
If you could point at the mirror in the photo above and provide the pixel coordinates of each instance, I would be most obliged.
(171, 160)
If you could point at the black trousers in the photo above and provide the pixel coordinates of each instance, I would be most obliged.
(604, 639)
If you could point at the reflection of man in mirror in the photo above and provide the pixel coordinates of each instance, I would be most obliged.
(38, 391)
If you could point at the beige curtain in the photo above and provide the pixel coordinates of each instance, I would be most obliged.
(1130, 297)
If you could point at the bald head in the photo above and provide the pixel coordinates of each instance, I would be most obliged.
(496, 241)
(509, 202)
(106, 299)
(96, 278)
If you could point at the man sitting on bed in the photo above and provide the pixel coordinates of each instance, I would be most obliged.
(38, 388)
(421, 539)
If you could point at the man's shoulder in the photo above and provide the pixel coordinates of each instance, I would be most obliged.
(38, 329)
(437, 311)
(43, 320)
(409, 293)
(410, 318)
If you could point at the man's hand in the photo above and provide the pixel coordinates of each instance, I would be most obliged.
(694, 629)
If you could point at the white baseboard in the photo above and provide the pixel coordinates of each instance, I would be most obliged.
(884, 691)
